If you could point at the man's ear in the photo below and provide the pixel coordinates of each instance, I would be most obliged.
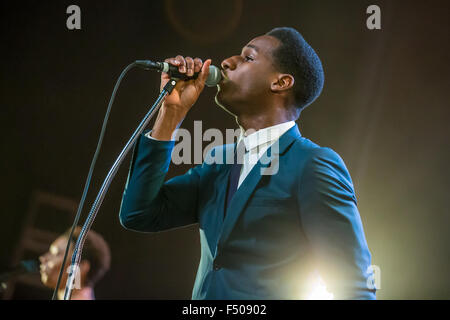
(282, 83)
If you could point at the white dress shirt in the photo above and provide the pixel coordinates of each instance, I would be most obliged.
(256, 144)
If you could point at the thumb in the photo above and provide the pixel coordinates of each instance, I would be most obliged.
(203, 75)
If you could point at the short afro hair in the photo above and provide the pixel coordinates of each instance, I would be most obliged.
(96, 251)
(296, 57)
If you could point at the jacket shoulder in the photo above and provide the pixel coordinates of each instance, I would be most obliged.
(317, 158)
(310, 150)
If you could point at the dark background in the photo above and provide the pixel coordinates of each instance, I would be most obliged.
(384, 109)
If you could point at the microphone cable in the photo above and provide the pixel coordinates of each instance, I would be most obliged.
(89, 176)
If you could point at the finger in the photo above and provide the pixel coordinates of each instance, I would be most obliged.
(182, 63)
(205, 70)
(197, 64)
(190, 66)
(172, 61)
(175, 61)
(203, 75)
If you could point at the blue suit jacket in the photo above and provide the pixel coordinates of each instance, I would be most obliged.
(278, 228)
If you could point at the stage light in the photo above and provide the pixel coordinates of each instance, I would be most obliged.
(318, 290)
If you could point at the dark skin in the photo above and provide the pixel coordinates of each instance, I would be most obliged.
(51, 263)
(252, 89)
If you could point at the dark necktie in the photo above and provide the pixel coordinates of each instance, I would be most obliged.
(235, 173)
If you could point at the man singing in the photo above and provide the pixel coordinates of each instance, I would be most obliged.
(262, 235)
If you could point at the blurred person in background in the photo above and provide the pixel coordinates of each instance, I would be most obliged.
(95, 262)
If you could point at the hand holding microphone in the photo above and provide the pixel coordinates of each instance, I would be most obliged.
(184, 95)
(212, 80)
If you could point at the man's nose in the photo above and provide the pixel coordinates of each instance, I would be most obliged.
(43, 258)
(228, 64)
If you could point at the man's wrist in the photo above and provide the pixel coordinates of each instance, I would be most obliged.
(167, 122)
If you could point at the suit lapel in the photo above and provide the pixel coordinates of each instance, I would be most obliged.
(221, 182)
(248, 186)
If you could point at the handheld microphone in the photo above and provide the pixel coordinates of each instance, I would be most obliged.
(213, 78)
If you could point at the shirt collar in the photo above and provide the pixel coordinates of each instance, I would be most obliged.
(264, 136)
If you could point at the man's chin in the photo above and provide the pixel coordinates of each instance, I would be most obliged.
(219, 101)
(47, 281)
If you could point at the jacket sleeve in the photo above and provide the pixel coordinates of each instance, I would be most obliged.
(149, 204)
(333, 226)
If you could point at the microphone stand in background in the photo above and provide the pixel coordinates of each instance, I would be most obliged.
(76, 257)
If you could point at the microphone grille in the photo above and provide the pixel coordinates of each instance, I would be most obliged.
(214, 76)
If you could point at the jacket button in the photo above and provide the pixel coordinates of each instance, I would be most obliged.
(216, 266)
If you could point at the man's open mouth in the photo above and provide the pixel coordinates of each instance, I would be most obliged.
(224, 76)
